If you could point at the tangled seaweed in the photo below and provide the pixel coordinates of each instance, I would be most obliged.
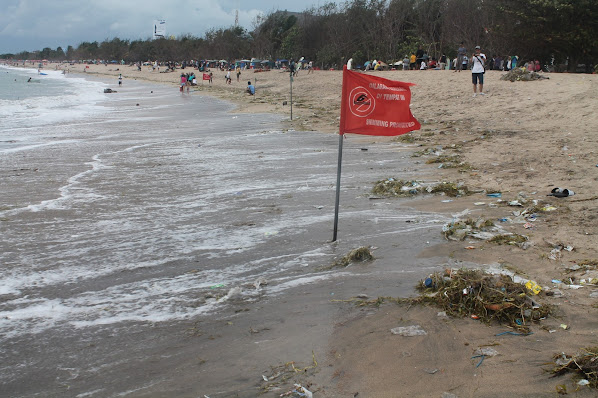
(509, 239)
(360, 254)
(584, 366)
(484, 296)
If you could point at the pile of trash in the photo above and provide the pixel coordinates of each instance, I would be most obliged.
(394, 187)
(484, 296)
(584, 366)
(482, 229)
(522, 74)
(479, 228)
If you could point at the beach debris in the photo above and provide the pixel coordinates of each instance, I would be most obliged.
(486, 351)
(512, 333)
(218, 285)
(448, 395)
(533, 287)
(233, 294)
(302, 391)
(479, 228)
(394, 187)
(494, 195)
(450, 162)
(522, 74)
(360, 254)
(261, 281)
(561, 192)
(586, 264)
(283, 373)
(109, 90)
(431, 371)
(405, 138)
(427, 151)
(482, 353)
(409, 331)
(509, 239)
(491, 297)
(584, 366)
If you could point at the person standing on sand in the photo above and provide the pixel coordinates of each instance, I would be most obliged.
(460, 55)
(183, 81)
(419, 57)
(477, 70)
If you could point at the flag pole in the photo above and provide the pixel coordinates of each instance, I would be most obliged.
(340, 153)
(338, 185)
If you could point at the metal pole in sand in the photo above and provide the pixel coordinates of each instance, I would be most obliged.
(341, 132)
(291, 75)
(338, 185)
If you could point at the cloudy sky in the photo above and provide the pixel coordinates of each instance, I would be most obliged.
(34, 24)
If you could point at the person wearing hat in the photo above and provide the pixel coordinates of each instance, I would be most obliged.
(477, 70)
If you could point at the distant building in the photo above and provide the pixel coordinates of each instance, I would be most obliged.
(159, 29)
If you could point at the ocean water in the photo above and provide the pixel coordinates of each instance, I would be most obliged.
(44, 100)
(145, 211)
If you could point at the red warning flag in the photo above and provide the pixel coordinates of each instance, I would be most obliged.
(373, 105)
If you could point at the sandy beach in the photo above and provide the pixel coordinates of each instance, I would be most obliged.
(521, 139)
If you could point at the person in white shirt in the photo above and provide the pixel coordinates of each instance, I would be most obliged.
(477, 70)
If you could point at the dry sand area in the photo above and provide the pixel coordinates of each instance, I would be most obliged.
(521, 139)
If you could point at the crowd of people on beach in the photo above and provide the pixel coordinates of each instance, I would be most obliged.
(475, 61)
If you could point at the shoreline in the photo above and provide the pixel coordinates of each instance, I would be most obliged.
(524, 137)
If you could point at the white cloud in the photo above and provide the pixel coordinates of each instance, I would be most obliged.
(35, 24)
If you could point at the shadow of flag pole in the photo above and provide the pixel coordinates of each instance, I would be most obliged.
(371, 105)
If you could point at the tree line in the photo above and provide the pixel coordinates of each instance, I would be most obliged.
(560, 32)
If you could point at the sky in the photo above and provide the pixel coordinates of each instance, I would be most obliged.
(28, 25)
